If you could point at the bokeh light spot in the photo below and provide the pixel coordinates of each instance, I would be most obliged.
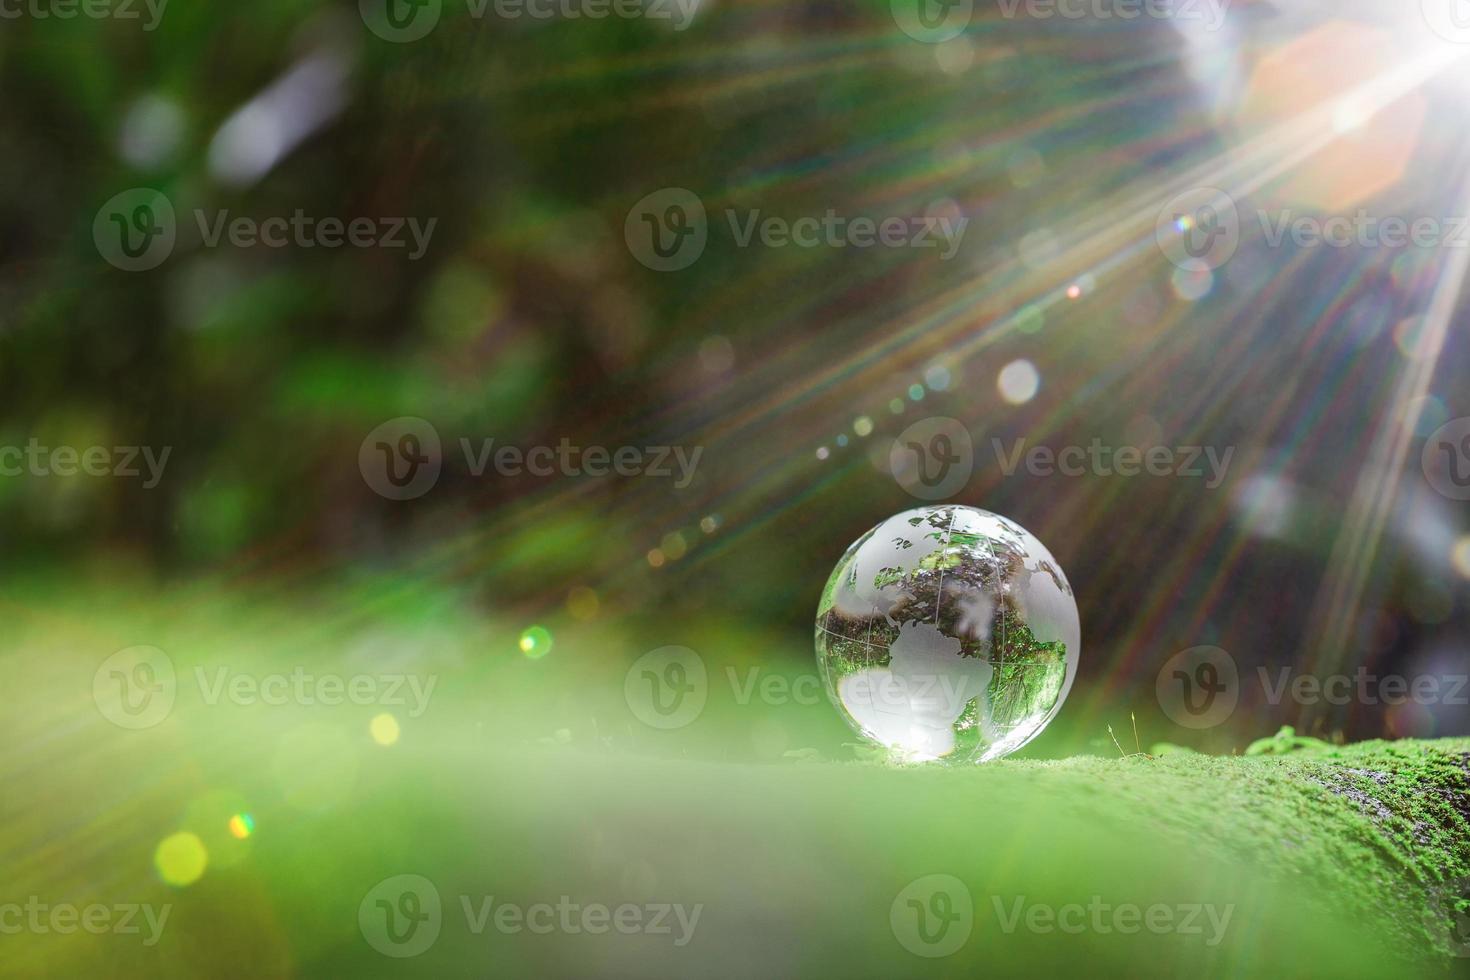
(1192, 284)
(583, 603)
(1410, 336)
(181, 859)
(242, 825)
(223, 823)
(1018, 382)
(384, 729)
(535, 642)
(1376, 134)
(1460, 556)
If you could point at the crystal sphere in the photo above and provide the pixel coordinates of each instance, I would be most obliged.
(948, 634)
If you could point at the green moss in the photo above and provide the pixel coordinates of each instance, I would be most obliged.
(1287, 742)
(1380, 829)
(532, 780)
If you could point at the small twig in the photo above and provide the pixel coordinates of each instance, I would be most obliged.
(1136, 742)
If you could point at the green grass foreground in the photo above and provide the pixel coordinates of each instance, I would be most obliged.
(527, 783)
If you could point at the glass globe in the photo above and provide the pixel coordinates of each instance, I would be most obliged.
(948, 634)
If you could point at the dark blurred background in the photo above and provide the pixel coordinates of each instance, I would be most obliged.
(529, 319)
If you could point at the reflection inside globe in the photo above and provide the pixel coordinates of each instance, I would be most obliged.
(948, 634)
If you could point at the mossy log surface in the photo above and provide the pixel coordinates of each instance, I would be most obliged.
(1300, 859)
(1295, 859)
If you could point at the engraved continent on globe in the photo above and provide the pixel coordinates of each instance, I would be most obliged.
(948, 634)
